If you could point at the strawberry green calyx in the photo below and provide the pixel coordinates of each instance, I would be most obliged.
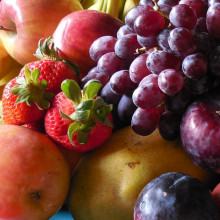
(47, 50)
(30, 90)
(89, 108)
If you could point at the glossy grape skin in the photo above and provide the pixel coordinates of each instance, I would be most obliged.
(145, 121)
(182, 41)
(149, 23)
(170, 81)
(151, 78)
(105, 62)
(126, 47)
(138, 69)
(162, 39)
(94, 74)
(166, 5)
(182, 15)
(200, 25)
(134, 12)
(199, 6)
(159, 60)
(121, 83)
(169, 126)
(148, 95)
(101, 46)
(195, 65)
(148, 42)
(199, 86)
(124, 30)
(126, 109)
(175, 196)
(146, 2)
(212, 20)
(202, 118)
(179, 102)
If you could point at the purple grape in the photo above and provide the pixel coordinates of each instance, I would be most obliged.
(170, 81)
(179, 102)
(145, 121)
(169, 126)
(147, 42)
(166, 5)
(126, 109)
(94, 74)
(199, 6)
(162, 39)
(200, 25)
(148, 24)
(182, 41)
(101, 46)
(138, 69)
(105, 64)
(195, 65)
(127, 46)
(151, 78)
(212, 20)
(121, 83)
(159, 60)
(134, 12)
(182, 15)
(124, 30)
(148, 95)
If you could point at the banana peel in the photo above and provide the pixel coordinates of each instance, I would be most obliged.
(116, 8)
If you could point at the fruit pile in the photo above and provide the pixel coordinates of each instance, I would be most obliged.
(119, 119)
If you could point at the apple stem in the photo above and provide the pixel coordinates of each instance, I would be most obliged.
(4, 28)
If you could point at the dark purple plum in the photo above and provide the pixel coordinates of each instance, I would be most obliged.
(175, 196)
(200, 134)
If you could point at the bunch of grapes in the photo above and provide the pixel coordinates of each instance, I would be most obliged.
(165, 56)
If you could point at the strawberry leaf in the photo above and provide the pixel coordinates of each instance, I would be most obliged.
(91, 89)
(82, 116)
(71, 130)
(72, 91)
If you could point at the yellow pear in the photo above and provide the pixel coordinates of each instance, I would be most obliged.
(108, 180)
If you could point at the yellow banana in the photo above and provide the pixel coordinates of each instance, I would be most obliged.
(116, 8)
(129, 4)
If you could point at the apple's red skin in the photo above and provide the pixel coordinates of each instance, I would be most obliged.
(200, 134)
(76, 32)
(28, 22)
(34, 174)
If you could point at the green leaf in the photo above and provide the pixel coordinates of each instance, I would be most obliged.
(72, 90)
(65, 116)
(91, 88)
(35, 75)
(86, 105)
(82, 116)
(71, 130)
(82, 137)
(27, 73)
(74, 67)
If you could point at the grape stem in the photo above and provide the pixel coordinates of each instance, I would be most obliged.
(157, 8)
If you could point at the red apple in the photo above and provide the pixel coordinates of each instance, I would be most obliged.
(24, 23)
(76, 32)
(34, 175)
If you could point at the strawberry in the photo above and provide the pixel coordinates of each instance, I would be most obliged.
(26, 97)
(79, 120)
(22, 101)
